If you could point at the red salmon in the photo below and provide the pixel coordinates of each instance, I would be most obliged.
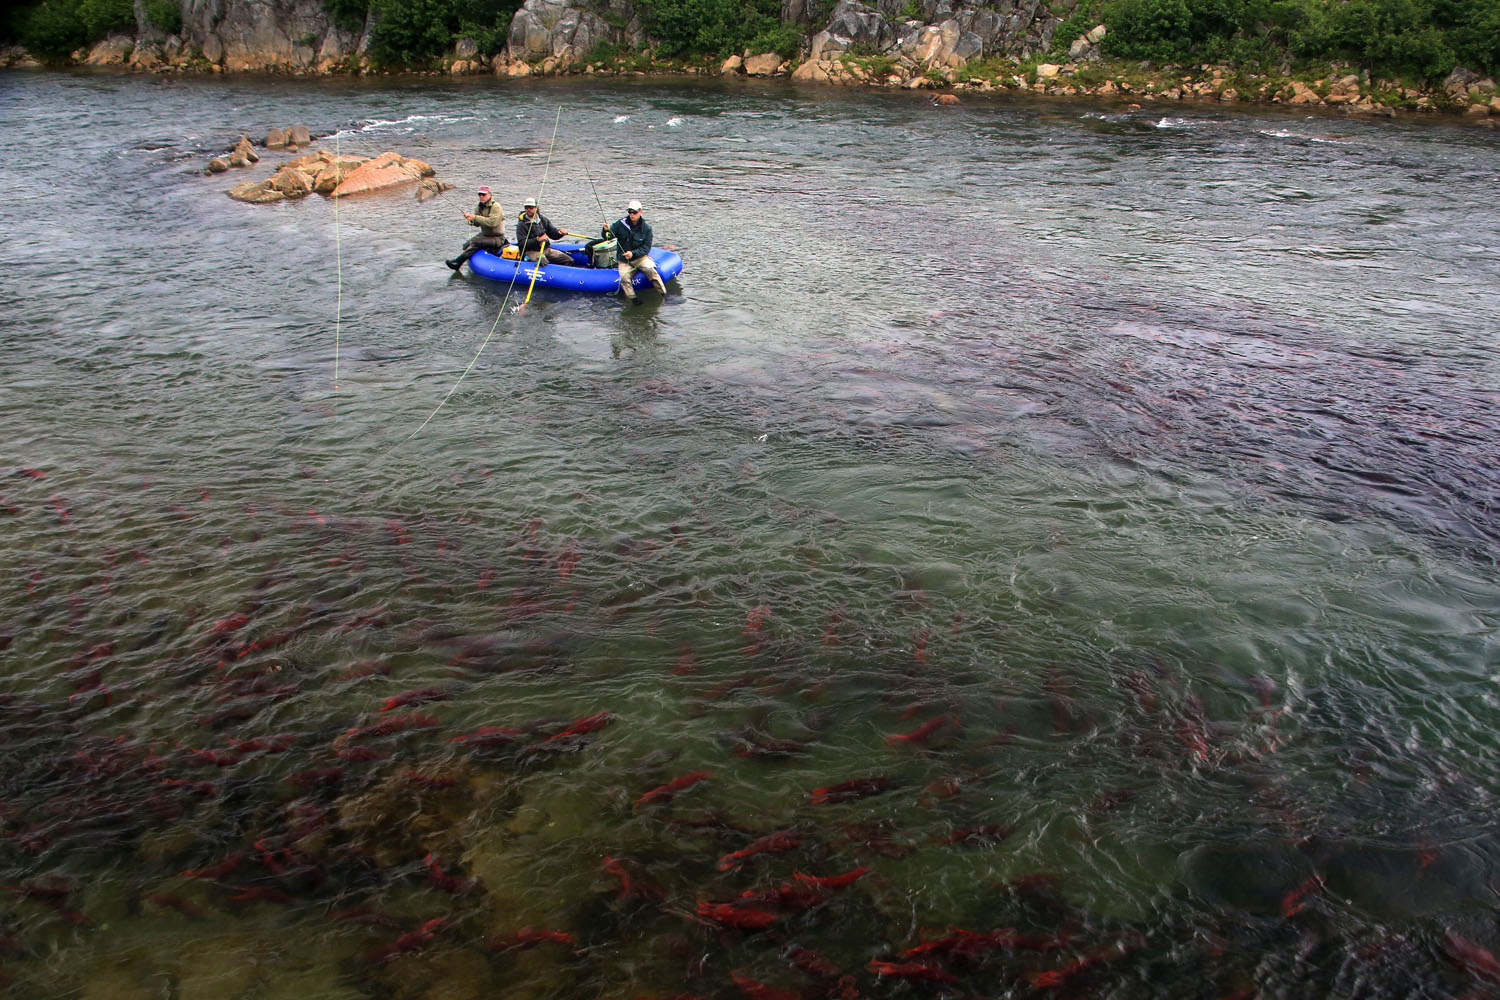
(1294, 902)
(760, 991)
(832, 881)
(410, 941)
(394, 724)
(848, 791)
(736, 915)
(913, 970)
(772, 843)
(1472, 957)
(488, 736)
(418, 696)
(665, 793)
(530, 937)
(923, 732)
(587, 724)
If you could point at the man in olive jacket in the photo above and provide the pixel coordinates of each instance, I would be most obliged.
(634, 235)
(490, 219)
(533, 230)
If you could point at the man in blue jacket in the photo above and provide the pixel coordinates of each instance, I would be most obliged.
(634, 235)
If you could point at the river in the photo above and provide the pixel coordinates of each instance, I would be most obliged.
(1037, 548)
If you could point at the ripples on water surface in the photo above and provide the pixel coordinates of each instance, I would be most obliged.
(1076, 527)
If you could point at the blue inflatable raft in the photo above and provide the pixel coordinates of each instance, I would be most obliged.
(573, 279)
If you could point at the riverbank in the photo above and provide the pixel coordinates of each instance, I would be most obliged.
(1338, 89)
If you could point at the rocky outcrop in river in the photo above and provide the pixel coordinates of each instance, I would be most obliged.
(339, 176)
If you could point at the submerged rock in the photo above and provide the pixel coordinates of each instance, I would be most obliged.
(431, 187)
(256, 193)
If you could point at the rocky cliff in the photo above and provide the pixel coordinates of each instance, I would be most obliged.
(892, 43)
(234, 36)
(299, 36)
(943, 34)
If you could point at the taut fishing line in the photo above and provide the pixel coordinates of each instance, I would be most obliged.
(514, 274)
(338, 254)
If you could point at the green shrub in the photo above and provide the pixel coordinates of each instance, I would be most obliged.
(163, 15)
(348, 14)
(699, 28)
(1475, 35)
(1157, 30)
(1081, 21)
(785, 40)
(104, 17)
(876, 66)
(1407, 38)
(417, 33)
(990, 68)
(605, 53)
(1397, 37)
(53, 29)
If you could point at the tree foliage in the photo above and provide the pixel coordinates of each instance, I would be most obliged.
(1411, 39)
(417, 33)
(164, 15)
(1416, 39)
(348, 14)
(688, 28)
(52, 29)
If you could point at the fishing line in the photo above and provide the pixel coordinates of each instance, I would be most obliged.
(338, 255)
(520, 259)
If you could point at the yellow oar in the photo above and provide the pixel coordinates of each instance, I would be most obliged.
(536, 268)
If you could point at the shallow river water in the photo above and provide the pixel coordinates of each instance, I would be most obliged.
(1035, 550)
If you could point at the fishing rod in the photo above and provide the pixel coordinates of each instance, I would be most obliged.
(541, 255)
(602, 214)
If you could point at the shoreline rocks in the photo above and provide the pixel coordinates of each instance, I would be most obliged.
(931, 44)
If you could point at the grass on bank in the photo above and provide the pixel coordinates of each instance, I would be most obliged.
(1419, 41)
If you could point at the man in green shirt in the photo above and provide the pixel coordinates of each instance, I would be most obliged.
(488, 216)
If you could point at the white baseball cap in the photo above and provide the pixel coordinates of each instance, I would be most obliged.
(529, 203)
(634, 206)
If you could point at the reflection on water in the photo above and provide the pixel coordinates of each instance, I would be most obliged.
(1035, 550)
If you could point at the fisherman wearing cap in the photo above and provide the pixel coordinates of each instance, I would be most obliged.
(490, 219)
(533, 230)
(634, 235)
